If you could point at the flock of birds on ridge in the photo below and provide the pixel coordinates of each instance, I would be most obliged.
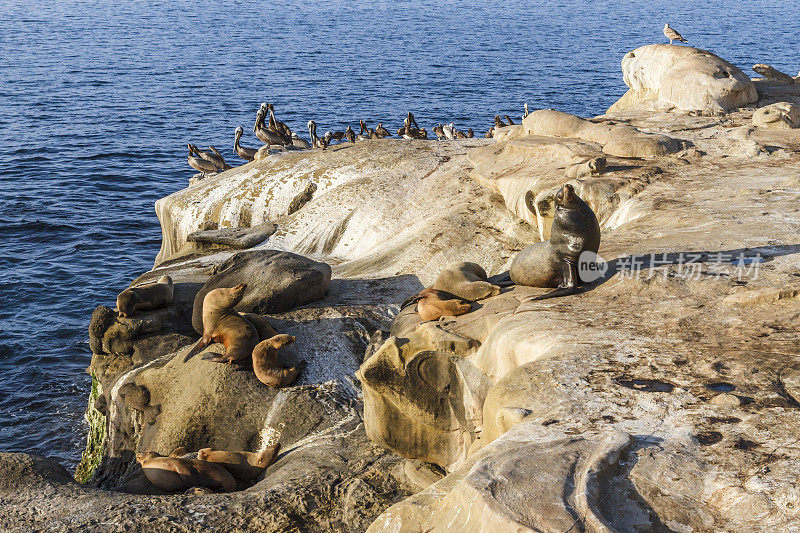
(274, 133)
(277, 133)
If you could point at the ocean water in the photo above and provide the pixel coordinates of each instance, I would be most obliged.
(99, 98)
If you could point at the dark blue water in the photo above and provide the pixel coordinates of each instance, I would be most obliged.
(98, 100)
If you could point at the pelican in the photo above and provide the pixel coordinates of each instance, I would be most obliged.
(526, 111)
(266, 135)
(350, 134)
(449, 131)
(381, 131)
(248, 154)
(508, 119)
(364, 129)
(373, 134)
(316, 142)
(470, 133)
(499, 123)
(276, 125)
(198, 163)
(672, 35)
(297, 142)
(439, 132)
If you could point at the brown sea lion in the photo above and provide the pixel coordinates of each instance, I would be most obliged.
(243, 465)
(466, 280)
(554, 262)
(145, 297)
(590, 167)
(268, 369)
(434, 304)
(221, 323)
(176, 474)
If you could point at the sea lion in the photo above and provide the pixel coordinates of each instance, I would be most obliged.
(433, 304)
(554, 262)
(242, 465)
(466, 280)
(177, 474)
(221, 323)
(268, 369)
(590, 167)
(145, 297)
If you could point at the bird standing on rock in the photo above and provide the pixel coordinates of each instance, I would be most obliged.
(672, 35)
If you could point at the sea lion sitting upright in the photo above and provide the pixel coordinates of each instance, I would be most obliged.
(221, 323)
(145, 297)
(174, 473)
(466, 280)
(554, 262)
(268, 369)
(243, 465)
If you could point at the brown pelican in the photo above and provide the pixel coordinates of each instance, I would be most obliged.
(316, 142)
(248, 154)
(470, 133)
(264, 134)
(373, 134)
(422, 134)
(508, 119)
(198, 163)
(526, 111)
(460, 134)
(381, 131)
(411, 121)
(488, 134)
(439, 131)
(449, 131)
(499, 123)
(276, 125)
(217, 158)
(297, 142)
(350, 134)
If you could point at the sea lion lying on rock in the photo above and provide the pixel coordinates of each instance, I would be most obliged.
(242, 465)
(466, 280)
(554, 262)
(590, 167)
(174, 473)
(221, 323)
(433, 304)
(145, 297)
(268, 369)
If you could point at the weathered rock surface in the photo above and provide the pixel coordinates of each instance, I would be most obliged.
(234, 237)
(661, 76)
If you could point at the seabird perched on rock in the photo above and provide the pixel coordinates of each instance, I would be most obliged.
(672, 35)
(248, 154)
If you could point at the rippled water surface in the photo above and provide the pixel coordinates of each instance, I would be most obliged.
(97, 101)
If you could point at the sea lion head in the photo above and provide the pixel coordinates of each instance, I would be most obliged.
(225, 298)
(265, 458)
(146, 456)
(126, 303)
(279, 341)
(566, 196)
(203, 453)
(597, 164)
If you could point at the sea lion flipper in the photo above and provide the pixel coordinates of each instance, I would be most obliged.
(215, 357)
(180, 451)
(202, 343)
(569, 281)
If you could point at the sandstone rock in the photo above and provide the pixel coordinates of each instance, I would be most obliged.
(781, 115)
(772, 74)
(239, 238)
(682, 77)
(276, 281)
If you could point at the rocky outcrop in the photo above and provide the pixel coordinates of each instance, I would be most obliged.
(662, 397)
(661, 77)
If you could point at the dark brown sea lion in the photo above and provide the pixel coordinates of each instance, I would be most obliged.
(266, 366)
(145, 297)
(554, 262)
(243, 465)
(176, 474)
(221, 323)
